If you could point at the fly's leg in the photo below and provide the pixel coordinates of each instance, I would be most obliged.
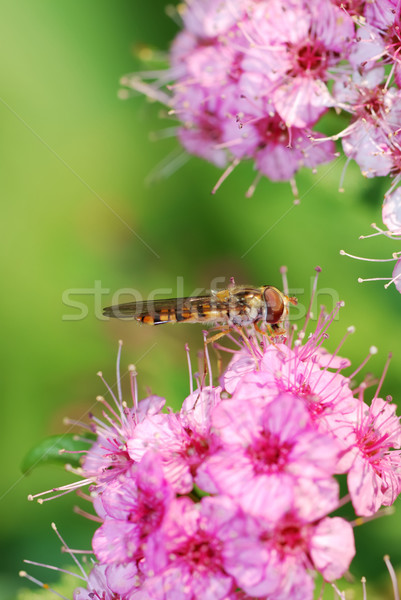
(224, 331)
(219, 361)
(239, 331)
(278, 329)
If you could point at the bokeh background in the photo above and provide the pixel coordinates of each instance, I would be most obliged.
(78, 173)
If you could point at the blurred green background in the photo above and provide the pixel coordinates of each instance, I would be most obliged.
(74, 165)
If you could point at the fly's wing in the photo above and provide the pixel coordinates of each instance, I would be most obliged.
(155, 312)
(129, 310)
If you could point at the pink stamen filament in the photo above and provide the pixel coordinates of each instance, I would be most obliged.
(70, 552)
(393, 280)
(365, 593)
(39, 583)
(314, 288)
(251, 190)
(207, 358)
(81, 494)
(67, 489)
(226, 173)
(100, 374)
(118, 373)
(343, 253)
(102, 400)
(191, 386)
(113, 424)
(83, 513)
(322, 327)
(80, 424)
(393, 577)
(134, 386)
(386, 366)
(53, 568)
(283, 271)
(339, 593)
(372, 351)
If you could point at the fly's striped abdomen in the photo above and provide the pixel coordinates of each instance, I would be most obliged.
(188, 310)
(181, 310)
(209, 309)
(172, 312)
(164, 316)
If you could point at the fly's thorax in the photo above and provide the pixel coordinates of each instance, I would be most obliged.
(246, 306)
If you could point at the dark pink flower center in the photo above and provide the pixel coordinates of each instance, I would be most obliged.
(209, 126)
(195, 450)
(309, 57)
(393, 40)
(119, 462)
(200, 553)
(148, 514)
(268, 453)
(289, 537)
(236, 69)
(372, 444)
(314, 403)
(371, 102)
(352, 7)
(272, 130)
(396, 156)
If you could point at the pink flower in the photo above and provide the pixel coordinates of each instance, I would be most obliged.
(210, 18)
(294, 46)
(373, 139)
(374, 478)
(368, 146)
(126, 581)
(273, 556)
(296, 371)
(134, 511)
(248, 80)
(397, 275)
(380, 37)
(288, 381)
(189, 553)
(108, 458)
(270, 443)
(381, 14)
(392, 211)
(96, 582)
(97, 587)
(351, 7)
(279, 151)
(183, 441)
(282, 152)
(241, 364)
(203, 131)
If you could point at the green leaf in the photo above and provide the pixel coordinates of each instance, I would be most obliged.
(51, 450)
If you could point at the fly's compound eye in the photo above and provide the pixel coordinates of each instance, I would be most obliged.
(275, 304)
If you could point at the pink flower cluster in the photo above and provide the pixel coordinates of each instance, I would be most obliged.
(230, 498)
(251, 79)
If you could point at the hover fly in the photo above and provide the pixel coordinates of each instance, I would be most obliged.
(236, 306)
